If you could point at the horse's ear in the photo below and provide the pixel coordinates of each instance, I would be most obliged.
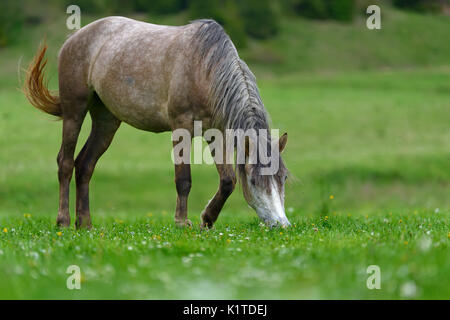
(282, 142)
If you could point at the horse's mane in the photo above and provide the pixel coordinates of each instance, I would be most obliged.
(234, 95)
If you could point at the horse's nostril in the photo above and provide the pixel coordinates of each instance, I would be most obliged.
(278, 223)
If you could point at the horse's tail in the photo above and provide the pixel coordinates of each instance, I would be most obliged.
(35, 86)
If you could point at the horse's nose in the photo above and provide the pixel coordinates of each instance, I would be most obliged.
(282, 220)
(285, 223)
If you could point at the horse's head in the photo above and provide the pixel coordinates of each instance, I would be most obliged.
(265, 192)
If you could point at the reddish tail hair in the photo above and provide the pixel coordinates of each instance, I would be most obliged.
(35, 86)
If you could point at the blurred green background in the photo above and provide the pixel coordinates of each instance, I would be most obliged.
(367, 113)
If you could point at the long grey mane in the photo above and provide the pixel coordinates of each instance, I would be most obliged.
(234, 94)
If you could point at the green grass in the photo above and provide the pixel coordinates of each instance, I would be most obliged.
(148, 258)
(372, 132)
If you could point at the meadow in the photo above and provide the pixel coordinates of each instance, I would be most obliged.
(368, 151)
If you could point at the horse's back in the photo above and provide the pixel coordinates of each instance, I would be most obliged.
(131, 65)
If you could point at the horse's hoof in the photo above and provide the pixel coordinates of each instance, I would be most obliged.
(83, 225)
(206, 225)
(183, 224)
(63, 222)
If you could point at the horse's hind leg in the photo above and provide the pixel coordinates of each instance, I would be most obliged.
(72, 122)
(104, 126)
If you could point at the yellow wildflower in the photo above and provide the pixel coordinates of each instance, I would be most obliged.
(27, 215)
(5, 230)
(331, 197)
(59, 233)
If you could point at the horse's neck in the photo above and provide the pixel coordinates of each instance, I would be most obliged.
(254, 118)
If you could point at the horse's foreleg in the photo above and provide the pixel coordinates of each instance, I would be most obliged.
(183, 179)
(226, 187)
(104, 126)
(183, 184)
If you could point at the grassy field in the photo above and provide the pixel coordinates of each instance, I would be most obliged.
(369, 150)
(147, 258)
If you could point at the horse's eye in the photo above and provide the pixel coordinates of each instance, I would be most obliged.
(252, 180)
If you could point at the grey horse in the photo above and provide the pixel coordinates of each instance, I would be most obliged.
(155, 78)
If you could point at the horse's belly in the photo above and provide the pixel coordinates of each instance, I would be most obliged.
(147, 116)
(151, 120)
(141, 106)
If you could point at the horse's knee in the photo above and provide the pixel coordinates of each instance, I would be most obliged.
(227, 185)
(183, 186)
